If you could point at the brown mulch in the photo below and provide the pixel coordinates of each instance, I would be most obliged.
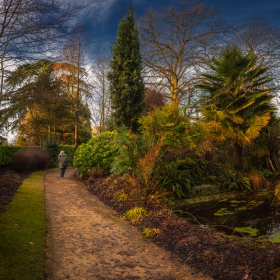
(216, 255)
(202, 248)
(9, 184)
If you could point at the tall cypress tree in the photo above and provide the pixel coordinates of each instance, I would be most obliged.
(126, 83)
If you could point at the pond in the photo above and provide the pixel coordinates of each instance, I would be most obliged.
(248, 214)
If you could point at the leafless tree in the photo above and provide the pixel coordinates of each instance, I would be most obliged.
(176, 43)
(258, 37)
(29, 28)
(74, 74)
(101, 108)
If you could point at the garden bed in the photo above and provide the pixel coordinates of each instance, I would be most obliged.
(217, 255)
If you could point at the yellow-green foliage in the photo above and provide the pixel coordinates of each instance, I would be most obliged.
(135, 214)
(150, 232)
(120, 197)
(277, 191)
(167, 123)
(127, 151)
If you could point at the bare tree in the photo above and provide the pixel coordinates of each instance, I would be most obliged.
(262, 39)
(101, 96)
(29, 28)
(176, 43)
(74, 74)
(258, 37)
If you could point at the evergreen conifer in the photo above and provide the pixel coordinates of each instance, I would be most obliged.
(126, 83)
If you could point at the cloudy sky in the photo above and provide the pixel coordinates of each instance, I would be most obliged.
(102, 16)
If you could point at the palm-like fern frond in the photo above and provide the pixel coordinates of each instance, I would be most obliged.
(236, 97)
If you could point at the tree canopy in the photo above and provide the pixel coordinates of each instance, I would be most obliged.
(39, 106)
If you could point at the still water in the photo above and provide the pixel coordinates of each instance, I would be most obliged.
(254, 215)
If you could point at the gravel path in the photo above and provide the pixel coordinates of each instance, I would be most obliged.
(86, 240)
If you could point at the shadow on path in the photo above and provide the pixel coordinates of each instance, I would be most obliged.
(86, 241)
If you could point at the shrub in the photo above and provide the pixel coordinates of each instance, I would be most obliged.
(135, 214)
(166, 124)
(147, 170)
(234, 181)
(181, 176)
(30, 159)
(267, 173)
(150, 232)
(258, 180)
(120, 197)
(95, 172)
(178, 181)
(98, 152)
(6, 154)
(269, 145)
(52, 148)
(126, 147)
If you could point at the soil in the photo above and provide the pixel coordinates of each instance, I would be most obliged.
(87, 237)
(9, 183)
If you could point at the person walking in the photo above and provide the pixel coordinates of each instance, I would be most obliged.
(62, 163)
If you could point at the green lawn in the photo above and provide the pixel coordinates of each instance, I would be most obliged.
(22, 232)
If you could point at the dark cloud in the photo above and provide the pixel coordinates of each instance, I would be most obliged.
(101, 17)
(238, 11)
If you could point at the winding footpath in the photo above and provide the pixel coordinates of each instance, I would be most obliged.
(87, 241)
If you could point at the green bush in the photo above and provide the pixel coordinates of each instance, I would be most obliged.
(126, 147)
(234, 181)
(182, 175)
(166, 124)
(6, 154)
(52, 148)
(98, 152)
